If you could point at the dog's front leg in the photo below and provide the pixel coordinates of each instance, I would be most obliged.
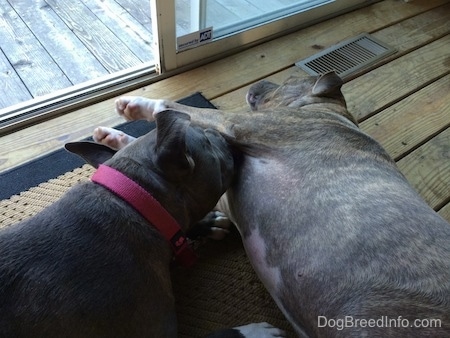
(214, 225)
(113, 138)
(141, 108)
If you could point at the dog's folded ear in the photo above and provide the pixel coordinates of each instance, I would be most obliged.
(93, 153)
(173, 157)
(328, 84)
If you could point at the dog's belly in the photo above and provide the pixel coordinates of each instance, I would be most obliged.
(256, 248)
(302, 236)
(253, 206)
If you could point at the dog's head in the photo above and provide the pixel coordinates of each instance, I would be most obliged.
(296, 92)
(185, 167)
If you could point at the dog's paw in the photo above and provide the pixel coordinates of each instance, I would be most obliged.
(215, 225)
(112, 138)
(138, 108)
(260, 330)
(219, 225)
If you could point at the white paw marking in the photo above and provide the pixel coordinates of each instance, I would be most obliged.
(111, 137)
(260, 330)
(139, 108)
(221, 226)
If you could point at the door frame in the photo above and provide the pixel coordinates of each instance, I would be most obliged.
(170, 59)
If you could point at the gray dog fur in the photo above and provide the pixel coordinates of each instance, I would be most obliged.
(91, 266)
(331, 226)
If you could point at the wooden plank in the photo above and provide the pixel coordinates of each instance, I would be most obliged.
(405, 35)
(214, 79)
(274, 4)
(139, 9)
(70, 55)
(109, 50)
(404, 76)
(428, 169)
(218, 15)
(409, 123)
(426, 27)
(249, 8)
(183, 17)
(26, 145)
(274, 56)
(12, 89)
(419, 30)
(445, 212)
(137, 37)
(30, 60)
(285, 2)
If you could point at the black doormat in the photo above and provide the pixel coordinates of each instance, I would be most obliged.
(32, 173)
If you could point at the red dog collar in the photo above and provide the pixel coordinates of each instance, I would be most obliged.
(149, 208)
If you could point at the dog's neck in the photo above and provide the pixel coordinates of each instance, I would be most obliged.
(333, 107)
(144, 203)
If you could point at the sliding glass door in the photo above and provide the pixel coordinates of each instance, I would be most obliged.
(184, 34)
(191, 31)
(234, 16)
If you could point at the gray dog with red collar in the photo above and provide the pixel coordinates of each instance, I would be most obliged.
(96, 262)
(343, 243)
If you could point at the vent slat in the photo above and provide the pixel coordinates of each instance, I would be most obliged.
(347, 57)
(360, 52)
(372, 46)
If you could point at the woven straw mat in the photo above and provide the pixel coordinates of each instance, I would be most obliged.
(221, 290)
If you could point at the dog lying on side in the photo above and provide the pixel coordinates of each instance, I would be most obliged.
(343, 243)
(96, 262)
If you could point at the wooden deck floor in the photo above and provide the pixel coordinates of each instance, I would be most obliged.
(404, 102)
(53, 44)
(50, 45)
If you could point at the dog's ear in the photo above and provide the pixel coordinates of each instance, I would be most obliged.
(93, 153)
(173, 157)
(328, 84)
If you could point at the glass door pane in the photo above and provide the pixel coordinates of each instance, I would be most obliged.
(232, 16)
(60, 54)
(196, 30)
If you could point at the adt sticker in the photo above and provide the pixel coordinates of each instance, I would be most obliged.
(205, 36)
(195, 39)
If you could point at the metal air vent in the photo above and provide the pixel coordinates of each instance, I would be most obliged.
(347, 57)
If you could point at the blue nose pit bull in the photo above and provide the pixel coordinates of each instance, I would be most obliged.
(93, 264)
(331, 226)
